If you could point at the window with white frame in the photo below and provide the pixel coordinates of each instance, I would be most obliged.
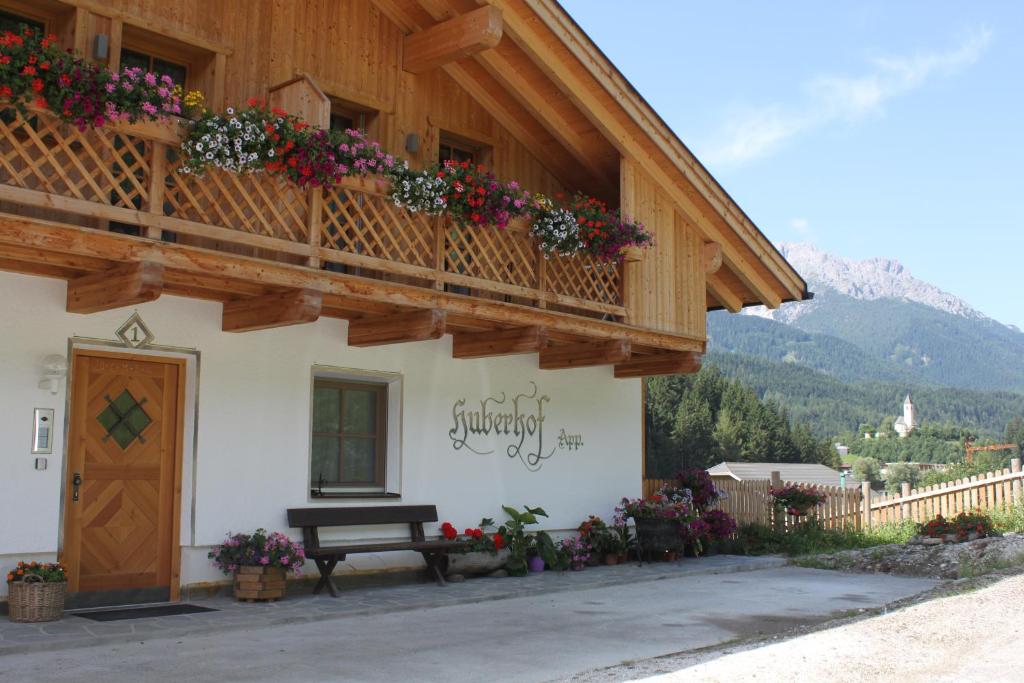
(354, 433)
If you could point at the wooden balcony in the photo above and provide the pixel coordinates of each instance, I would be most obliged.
(126, 180)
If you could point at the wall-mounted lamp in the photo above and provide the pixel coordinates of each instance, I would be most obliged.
(412, 143)
(55, 368)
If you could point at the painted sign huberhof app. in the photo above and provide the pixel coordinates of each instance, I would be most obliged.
(515, 422)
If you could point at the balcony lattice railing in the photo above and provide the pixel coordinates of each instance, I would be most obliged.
(128, 175)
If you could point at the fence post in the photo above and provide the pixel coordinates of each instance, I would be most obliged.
(865, 502)
(778, 521)
(1018, 499)
(905, 506)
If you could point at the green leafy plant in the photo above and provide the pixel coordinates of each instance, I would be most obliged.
(522, 543)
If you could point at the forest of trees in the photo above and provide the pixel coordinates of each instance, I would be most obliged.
(832, 407)
(703, 419)
(768, 412)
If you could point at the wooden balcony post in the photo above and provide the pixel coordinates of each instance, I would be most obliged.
(542, 277)
(313, 225)
(157, 186)
(440, 227)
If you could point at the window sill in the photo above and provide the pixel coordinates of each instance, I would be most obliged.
(353, 494)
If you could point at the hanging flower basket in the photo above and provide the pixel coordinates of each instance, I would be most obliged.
(33, 599)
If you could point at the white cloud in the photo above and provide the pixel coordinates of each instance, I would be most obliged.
(829, 98)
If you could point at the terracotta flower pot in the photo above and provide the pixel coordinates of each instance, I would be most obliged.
(610, 559)
(259, 583)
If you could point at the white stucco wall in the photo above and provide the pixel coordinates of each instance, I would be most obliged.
(253, 426)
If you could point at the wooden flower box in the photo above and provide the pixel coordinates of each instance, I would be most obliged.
(259, 583)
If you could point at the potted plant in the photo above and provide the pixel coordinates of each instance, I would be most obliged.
(480, 553)
(575, 551)
(659, 521)
(35, 592)
(259, 563)
(524, 545)
(594, 532)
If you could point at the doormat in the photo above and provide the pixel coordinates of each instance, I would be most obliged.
(142, 612)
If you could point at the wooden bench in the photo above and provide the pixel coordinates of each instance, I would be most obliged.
(310, 520)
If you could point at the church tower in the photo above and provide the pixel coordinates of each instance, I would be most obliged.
(908, 423)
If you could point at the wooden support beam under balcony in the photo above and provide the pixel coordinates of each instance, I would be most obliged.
(516, 340)
(682, 363)
(272, 310)
(452, 40)
(125, 285)
(395, 329)
(585, 354)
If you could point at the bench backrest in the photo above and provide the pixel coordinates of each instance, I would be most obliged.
(359, 516)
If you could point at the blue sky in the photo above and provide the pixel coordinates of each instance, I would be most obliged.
(868, 128)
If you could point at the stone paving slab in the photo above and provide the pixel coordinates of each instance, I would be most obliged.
(74, 632)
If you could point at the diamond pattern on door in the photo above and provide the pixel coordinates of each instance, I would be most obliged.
(124, 419)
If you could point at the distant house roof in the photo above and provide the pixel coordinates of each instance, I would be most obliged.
(800, 473)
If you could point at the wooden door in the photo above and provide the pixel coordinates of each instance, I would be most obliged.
(122, 494)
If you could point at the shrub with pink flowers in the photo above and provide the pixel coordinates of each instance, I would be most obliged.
(258, 549)
(796, 499)
(34, 71)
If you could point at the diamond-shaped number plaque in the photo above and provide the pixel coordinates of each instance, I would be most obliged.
(124, 419)
(134, 332)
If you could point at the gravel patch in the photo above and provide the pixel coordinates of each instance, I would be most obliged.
(944, 561)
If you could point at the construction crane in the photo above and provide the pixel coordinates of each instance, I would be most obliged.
(971, 449)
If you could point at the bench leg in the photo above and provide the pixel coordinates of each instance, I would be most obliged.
(326, 567)
(433, 561)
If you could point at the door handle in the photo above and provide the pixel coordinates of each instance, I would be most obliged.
(76, 481)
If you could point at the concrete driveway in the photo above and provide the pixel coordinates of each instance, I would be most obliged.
(535, 638)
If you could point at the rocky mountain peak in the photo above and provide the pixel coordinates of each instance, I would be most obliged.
(874, 278)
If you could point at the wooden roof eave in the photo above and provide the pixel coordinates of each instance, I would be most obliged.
(749, 254)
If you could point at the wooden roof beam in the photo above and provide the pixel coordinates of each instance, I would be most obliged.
(682, 363)
(562, 130)
(272, 310)
(585, 354)
(125, 285)
(516, 340)
(712, 257)
(398, 328)
(452, 40)
(512, 120)
(724, 294)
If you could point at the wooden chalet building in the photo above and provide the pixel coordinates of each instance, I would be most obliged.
(192, 356)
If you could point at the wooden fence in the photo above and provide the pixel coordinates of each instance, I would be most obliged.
(856, 509)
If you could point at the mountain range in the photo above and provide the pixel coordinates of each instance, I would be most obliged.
(872, 333)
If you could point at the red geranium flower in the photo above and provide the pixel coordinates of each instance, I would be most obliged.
(448, 531)
(499, 541)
